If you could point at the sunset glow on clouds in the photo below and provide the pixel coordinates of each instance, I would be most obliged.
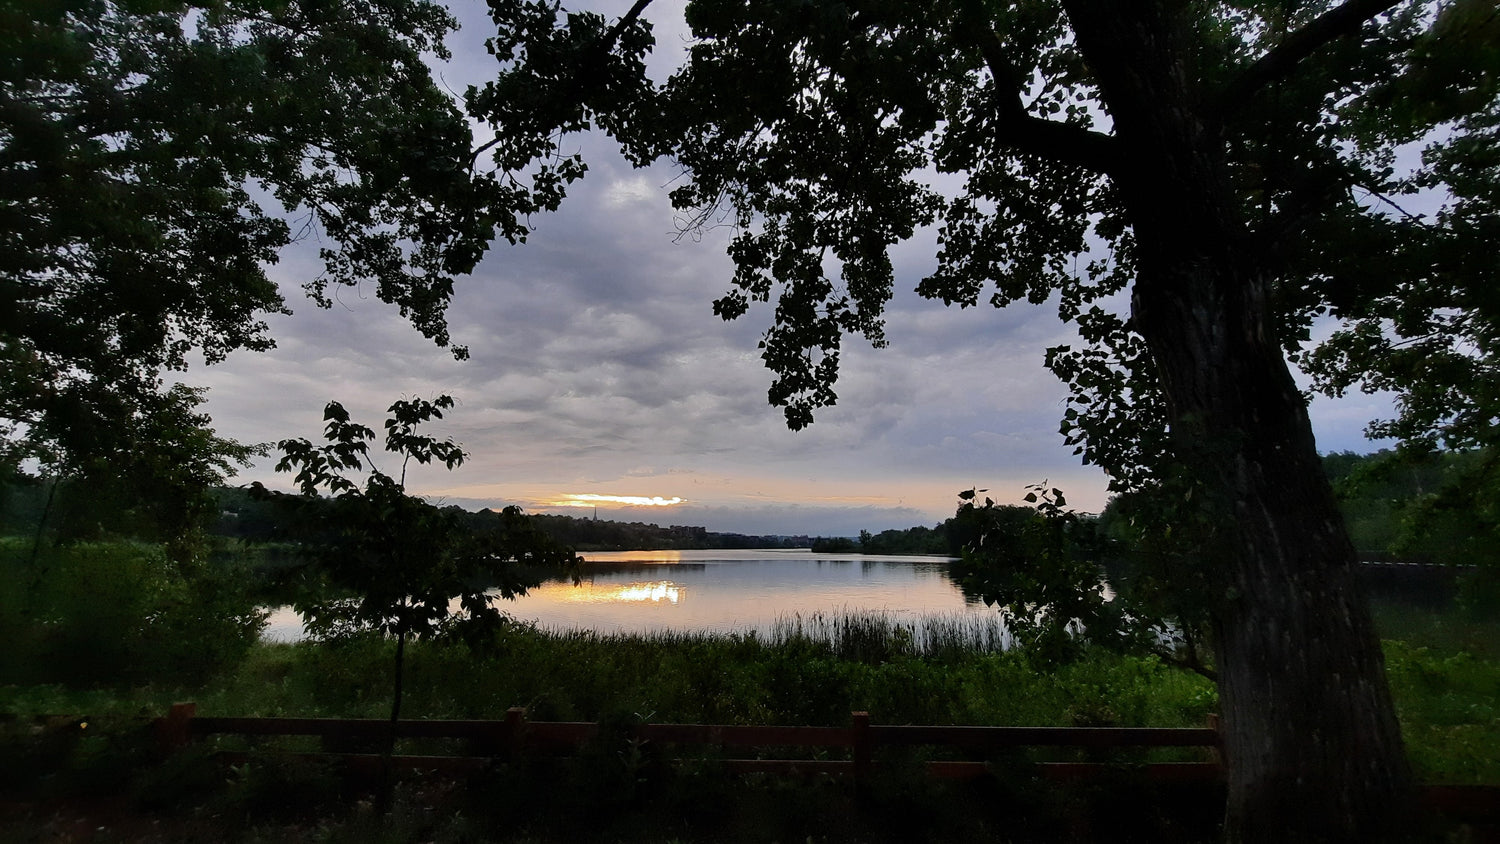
(589, 499)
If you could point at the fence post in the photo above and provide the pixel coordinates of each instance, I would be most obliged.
(515, 720)
(861, 722)
(1218, 748)
(174, 732)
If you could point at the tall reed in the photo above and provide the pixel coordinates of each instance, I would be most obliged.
(875, 637)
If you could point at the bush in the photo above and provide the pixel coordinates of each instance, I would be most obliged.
(115, 612)
(1479, 594)
(1449, 712)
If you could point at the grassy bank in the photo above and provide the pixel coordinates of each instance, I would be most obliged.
(1445, 675)
(97, 766)
(790, 677)
(1444, 671)
(815, 674)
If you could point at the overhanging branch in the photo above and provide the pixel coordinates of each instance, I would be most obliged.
(1062, 141)
(614, 32)
(1282, 59)
(598, 50)
(1028, 133)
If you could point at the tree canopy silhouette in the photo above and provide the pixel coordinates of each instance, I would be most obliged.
(1232, 169)
(156, 157)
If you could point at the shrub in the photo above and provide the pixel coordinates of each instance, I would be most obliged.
(111, 612)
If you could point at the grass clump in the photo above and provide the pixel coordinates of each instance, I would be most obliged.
(1449, 706)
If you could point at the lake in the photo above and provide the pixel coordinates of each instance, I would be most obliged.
(727, 591)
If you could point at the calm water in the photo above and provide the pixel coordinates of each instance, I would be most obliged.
(723, 591)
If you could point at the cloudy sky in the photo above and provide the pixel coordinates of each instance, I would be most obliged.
(599, 369)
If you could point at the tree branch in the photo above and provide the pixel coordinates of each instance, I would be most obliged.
(1191, 663)
(614, 32)
(1063, 141)
(1035, 135)
(1282, 59)
(603, 46)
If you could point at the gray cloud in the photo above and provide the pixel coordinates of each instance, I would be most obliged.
(598, 367)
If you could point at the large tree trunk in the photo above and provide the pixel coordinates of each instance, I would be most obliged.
(1314, 749)
(1310, 732)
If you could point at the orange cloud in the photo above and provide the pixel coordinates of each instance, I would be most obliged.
(589, 499)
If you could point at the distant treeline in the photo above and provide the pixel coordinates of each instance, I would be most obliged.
(1438, 508)
(942, 539)
(586, 534)
(948, 537)
(244, 517)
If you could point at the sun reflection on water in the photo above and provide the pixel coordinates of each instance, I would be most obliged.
(662, 590)
(654, 591)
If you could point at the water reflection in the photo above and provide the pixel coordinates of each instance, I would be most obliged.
(640, 568)
(741, 590)
(654, 591)
(660, 557)
(730, 591)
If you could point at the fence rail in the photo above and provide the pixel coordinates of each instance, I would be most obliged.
(861, 739)
(183, 724)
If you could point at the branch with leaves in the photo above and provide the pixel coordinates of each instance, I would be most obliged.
(385, 561)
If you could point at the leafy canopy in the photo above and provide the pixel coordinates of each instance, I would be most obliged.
(815, 128)
(1048, 553)
(819, 131)
(157, 157)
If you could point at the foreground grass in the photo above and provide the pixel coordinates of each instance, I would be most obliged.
(99, 769)
(614, 791)
(791, 678)
(1444, 673)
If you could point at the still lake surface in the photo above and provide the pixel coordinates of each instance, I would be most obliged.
(726, 591)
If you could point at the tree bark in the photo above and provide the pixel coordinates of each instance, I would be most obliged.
(1314, 749)
(400, 676)
(387, 768)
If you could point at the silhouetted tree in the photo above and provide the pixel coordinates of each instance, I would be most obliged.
(1228, 165)
(393, 563)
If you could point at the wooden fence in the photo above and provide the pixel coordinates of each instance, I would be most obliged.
(860, 741)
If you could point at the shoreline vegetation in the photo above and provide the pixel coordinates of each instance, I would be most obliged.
(1444, 668)
(1444, 671)
(1390, 503)
(103, 634)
